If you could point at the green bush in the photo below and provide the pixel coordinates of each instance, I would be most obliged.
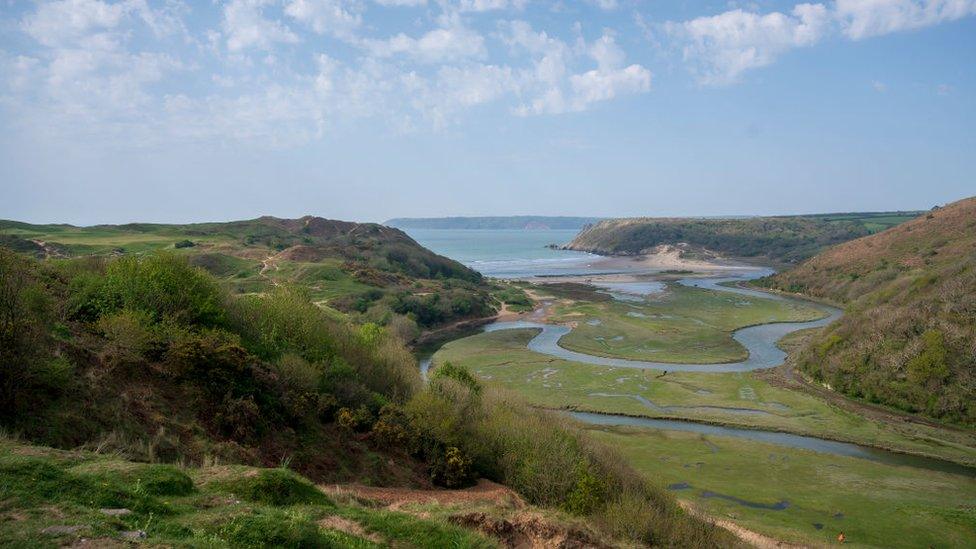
(459, 374)
(164, 286)
(278, 487)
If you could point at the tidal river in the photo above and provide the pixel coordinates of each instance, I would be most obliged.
(760, 341)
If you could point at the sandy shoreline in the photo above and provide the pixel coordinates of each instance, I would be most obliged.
(644, 267)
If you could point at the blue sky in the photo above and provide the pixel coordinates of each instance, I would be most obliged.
(371, 109)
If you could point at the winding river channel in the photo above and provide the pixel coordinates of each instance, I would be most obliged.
(759, 340)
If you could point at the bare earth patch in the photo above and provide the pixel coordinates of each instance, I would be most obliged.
(348, 526)
(485, 491)
(528, 530)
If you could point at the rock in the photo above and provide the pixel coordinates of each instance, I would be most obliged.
(134, 534)
(115, 512)
(62, 530)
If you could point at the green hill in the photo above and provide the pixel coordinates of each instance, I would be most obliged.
(784, 239)
(367, 270)
(524, 222)
(150, 358)
(909, 336)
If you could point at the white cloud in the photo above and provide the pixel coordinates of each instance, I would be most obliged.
(603, 85)
(550, 91)
(720, 48)
(404, 3)
(607, 5)
(439, 45)
(486, 5)
(879, 87)
(107, 73)
(58, 23)
(866, 18)
(336, 17)
(245, 27)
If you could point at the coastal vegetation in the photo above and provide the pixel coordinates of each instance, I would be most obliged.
(908, 338)
(787, 239)
(149, 357)
(374, 273)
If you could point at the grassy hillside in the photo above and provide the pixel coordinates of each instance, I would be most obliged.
(367, 270)
(909, 336)
(150, 357)
(52, 498)
(501, 222)
(780, 239)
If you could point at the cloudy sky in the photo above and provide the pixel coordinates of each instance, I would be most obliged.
(368, 109)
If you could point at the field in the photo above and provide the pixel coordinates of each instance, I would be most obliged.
(741, 399)
(787, 493)
(678, 324)
(822, 495)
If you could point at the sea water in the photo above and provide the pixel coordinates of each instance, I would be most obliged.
(511, 253)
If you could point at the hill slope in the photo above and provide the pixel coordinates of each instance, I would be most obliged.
(781, 239)
(909, 336)
(528, 222)
(359, 268)
(149, 357)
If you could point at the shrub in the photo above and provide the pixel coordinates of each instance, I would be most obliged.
(459, 374)
(279, 487)
(452, 468)
(393, 429)
(163, 286)
(359, 419)
(127, 333)
(930, 363)
(238, 418)
(30, 373)
(282, 322)
(297, 374)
